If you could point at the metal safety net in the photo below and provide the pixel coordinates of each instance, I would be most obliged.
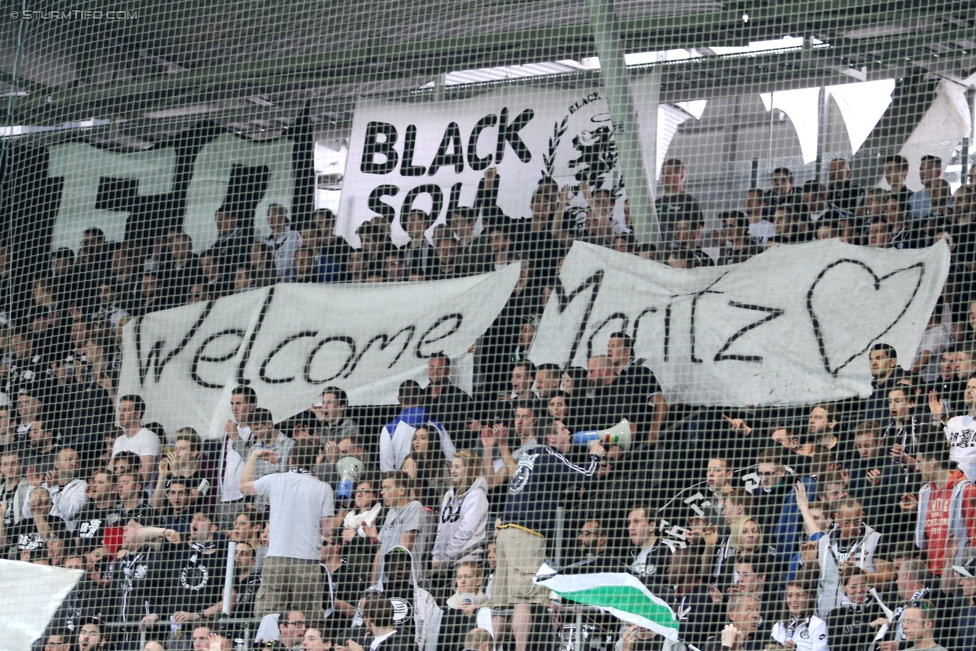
(487, 324)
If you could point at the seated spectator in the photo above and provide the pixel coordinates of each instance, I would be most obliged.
(817, 209)
(648, 557)
(313, 640)
(912, 583)
(559, 408)
(461, 608)
(818, 520)
(901, 235)
(404, 525)
(473, 251)
(304, 267)
(478, 639)
(379, 617)
(344, 583)
(42, 449)
(756, 209)
(785, 227)
(333, 424)
(798, 624)
(266, 437)
(960, 432)
(91, 637)
(175, 513)
(853, 624)
(247, 581)
(547, 382)
(419, 252)
(687, 240)
(688, 595)
(946, 503)
(523, 382)
(414, 608)
(65, 489)
(132, 503)
(918, 622)
(675, 204)
(185, 463)
(151, 297)
(396, 438)
(447, 404)
(283, 240)
(741, 633)
(963, 600)
(737, 504)
(261, 262)
(140, 579)
(430, 470)
(292, 626)
(349, 446)
(366, 510)
(601, 409)
(842, 195)
(872, 475)
(99, 513)
(636, 390)
(13, 494)
(775, 505)
(501, 470)
(181, 271)
(464, 512)
(248, 529)
(735, 240)
(137, 439)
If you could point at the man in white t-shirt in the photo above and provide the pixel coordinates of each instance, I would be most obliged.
(301, 515)
(137, 438)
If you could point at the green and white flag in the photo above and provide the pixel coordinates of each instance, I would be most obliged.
(619, 593)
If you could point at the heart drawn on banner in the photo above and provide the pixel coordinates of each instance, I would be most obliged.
(843, 294)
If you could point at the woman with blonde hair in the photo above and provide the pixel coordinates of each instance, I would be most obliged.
(464, 510)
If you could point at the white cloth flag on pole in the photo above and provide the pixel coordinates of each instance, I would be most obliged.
(29, 596)
(620, 594)
(793, 325)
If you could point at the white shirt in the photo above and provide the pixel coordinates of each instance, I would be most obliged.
(761, 231)
(961, 435)
(299, 501)
(144, 444)
(233, 466)
(808, 634)
(284, 246)
(935, 340)
(377, 641)
(66, 501)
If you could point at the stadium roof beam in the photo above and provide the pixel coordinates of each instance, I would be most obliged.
(380, 61)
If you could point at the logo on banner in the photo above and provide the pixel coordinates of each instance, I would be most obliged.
(584, 144)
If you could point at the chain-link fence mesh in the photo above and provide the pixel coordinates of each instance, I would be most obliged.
(488, 325)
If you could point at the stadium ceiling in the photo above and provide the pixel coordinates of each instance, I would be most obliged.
(255, 66)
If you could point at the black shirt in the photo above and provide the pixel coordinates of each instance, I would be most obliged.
(90, 525)
(675, 208)
(140, 584)
(197, 578)
(633, 389)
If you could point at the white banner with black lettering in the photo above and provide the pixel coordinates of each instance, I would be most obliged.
(793, 325)
(288, 341)
(432, 155)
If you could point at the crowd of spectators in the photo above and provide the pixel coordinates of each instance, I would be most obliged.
(762, 528)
